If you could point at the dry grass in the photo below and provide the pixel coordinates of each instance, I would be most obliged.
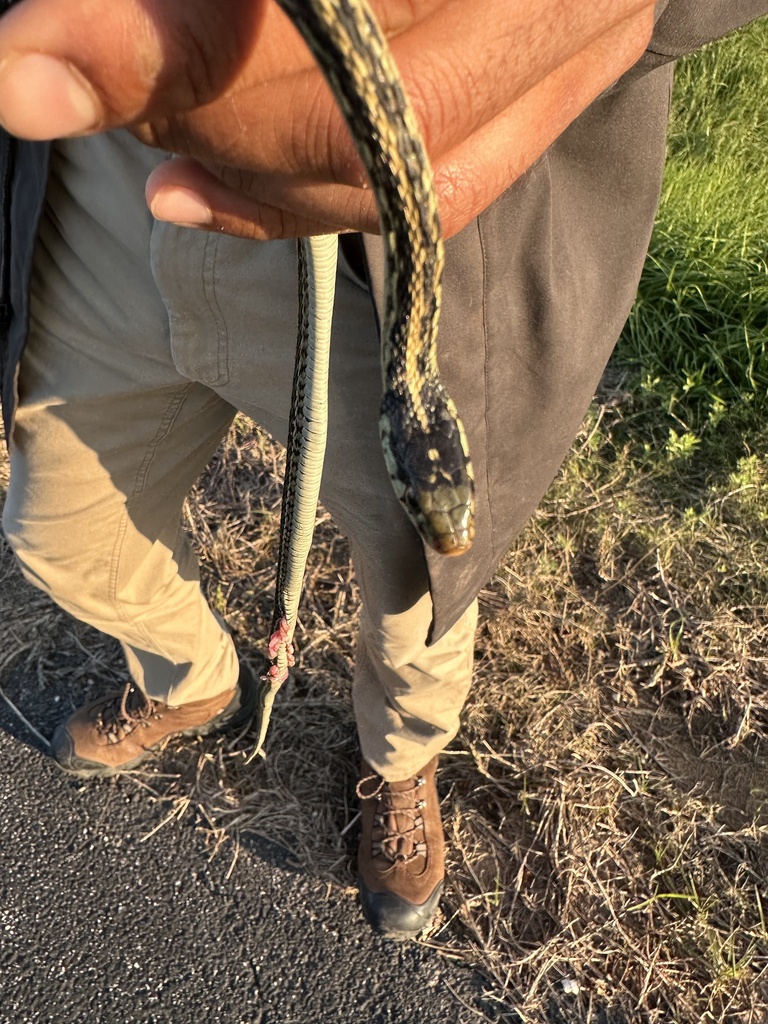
(605, 801)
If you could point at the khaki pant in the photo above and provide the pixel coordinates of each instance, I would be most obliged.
(145, 339)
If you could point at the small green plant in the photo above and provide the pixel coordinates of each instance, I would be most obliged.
(681, 446)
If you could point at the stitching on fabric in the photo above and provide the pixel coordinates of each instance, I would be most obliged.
(222, 334)
(486, 383)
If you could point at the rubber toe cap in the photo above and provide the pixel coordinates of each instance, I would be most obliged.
(63, 753)
(395, 918)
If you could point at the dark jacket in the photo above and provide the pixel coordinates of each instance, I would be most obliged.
(536, 290)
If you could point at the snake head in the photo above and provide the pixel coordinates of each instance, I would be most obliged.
(444, 517)
(431, 472)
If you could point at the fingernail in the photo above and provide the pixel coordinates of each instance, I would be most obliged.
(42, 97)
(180, 206)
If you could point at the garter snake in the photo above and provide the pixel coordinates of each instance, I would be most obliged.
(422, 436)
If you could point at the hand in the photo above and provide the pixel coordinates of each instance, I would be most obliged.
(266, 153)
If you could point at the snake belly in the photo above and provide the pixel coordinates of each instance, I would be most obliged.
(422, 437)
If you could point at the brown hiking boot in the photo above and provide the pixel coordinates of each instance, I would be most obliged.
(122, 728)
(401, 860)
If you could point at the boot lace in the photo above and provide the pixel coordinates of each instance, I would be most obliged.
(398, 833)
(125, 712)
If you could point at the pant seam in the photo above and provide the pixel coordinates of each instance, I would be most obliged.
(212, 301)
(486, 371)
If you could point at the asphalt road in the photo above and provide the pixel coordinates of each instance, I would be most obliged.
(98, 925)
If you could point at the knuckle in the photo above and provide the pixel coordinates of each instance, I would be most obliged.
(205, 49)
(324, 143)
(322, 135)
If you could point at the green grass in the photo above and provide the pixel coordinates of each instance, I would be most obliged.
(695, 345)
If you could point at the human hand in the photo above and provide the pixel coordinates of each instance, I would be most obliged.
(267, 155)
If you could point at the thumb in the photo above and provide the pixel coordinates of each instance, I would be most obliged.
(71, 67)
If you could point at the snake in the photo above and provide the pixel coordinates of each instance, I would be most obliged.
(422, 437)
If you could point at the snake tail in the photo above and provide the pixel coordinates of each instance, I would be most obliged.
(305, 452)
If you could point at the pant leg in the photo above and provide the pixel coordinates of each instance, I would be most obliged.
(407, 696)
(109, 437)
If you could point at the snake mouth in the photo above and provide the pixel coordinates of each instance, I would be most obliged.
(453, 544)
(450, 528)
